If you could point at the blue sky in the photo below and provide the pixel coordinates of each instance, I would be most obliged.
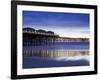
(63, 24)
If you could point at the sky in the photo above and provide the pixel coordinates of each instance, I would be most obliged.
(64, 24)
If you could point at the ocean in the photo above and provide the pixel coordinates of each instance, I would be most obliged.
(60, 54)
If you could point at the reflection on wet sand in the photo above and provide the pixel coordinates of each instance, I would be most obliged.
(54, 53)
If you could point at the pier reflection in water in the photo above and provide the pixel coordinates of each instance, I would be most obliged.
(48, 55)
(54, 53)
(58, 49)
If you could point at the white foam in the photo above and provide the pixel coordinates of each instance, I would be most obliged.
(86, 57)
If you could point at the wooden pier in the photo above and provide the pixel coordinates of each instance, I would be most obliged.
(33, 38)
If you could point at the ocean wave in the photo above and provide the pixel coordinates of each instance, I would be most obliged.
(72, 58)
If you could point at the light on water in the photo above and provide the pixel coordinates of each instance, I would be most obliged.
(56, 55)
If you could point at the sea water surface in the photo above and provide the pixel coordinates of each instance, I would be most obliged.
(56, 55)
